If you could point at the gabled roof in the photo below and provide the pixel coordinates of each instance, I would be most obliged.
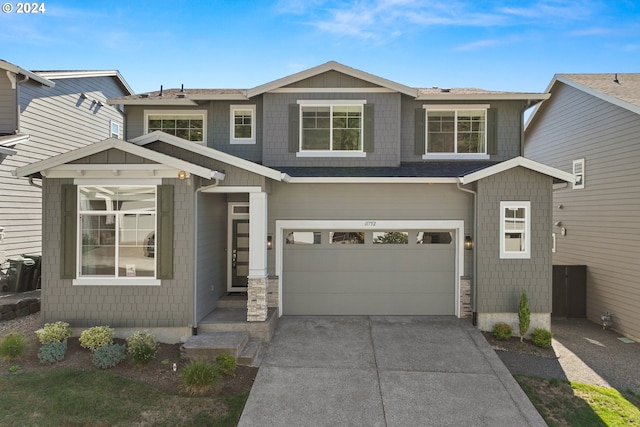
(557, 174)
(118, 144)
(78, 74)
(4, 65)
(331, 66)
(618, 89)
(208, 152)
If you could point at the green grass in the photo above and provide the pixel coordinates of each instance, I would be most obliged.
(564, 403)
(97, 398)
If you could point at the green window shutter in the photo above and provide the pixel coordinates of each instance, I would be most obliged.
(164, 233)
(492, 131)
(68, 231)
(294, 128)
(368, 128)
(420, 137)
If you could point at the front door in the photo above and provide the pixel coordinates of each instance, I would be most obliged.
(239, 248)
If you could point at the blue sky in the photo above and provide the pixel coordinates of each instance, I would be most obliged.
(496, 45)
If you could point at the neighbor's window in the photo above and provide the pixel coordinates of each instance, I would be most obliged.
(331, 127)
(185, 125)
(453, 130)
(515, 229)
(346, 237)
(434, 237)
(117, 227)
(304, 238)
(578, 172)
(243, 124)
(115, 130)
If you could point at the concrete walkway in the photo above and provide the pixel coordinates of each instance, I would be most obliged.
(384, 371)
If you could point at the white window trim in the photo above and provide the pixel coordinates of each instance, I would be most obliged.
(203, 113)
(455, 156)
(526, 253)
(331, 152)
(232, 110)
(111, 125)
(578, 164)
(109, 280)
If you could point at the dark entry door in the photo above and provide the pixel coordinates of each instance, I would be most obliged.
(240, 254)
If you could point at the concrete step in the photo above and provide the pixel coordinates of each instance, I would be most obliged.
(232, 301)
(251, 354)
(209, 345)
(235, 320)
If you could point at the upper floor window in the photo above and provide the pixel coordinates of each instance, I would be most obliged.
(456, 131)
(117, 225)
(515, 229)
(115, 130)
(189, 125)
(243, 118)
(335, 126)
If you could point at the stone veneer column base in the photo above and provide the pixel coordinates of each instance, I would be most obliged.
(273, 296)
(257, 299)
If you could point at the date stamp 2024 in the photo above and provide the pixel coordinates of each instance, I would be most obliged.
(24, 8)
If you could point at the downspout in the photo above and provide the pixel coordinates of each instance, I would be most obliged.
(474, 288)
(194, 325)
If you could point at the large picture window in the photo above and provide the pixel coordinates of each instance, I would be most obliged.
(117, 227)
(331, 127)
(515, 229)
(456, 130)
(183, 124)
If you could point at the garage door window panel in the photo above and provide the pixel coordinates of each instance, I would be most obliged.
(346, 238)
(434, 238)
(303, 238)
(390, 237)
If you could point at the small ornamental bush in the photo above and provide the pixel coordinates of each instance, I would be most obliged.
(199, 377)
(13, 346)
(52, 352)
(524, 315)
(502, 331)
(54, 332)
(226, 364)
(541, 337)
(96, 337)
(109, 355)
(142, 346)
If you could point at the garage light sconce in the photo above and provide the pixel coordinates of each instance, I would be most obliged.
(182, 175)
(468, 243)
(269, 242)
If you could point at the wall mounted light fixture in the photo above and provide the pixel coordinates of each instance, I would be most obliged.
(468, 243)
(269, 241)
(182, 175)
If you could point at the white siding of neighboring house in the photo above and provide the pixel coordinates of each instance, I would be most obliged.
(8, 109)
(601, 220)
(57, 120)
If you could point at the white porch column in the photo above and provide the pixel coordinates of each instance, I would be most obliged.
(257, 280)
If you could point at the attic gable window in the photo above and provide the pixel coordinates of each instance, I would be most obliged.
(456, 131)
(189, 125)
(334, 127)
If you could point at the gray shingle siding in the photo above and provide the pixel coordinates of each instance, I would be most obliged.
(500, 281)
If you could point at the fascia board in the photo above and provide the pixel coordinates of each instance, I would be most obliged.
(515, 162)
(160, 102)
(71, 74)
(208, 152)
(11, 140)
(370, 180)
(485, 97)
(19, 70)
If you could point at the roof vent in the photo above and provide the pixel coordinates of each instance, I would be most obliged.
(144, 95)
(615, 79)
(160, 90)
(445, 90)
(181, 95)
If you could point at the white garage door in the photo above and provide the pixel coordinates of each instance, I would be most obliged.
(399, 272)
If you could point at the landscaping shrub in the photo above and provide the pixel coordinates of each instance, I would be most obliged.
(142, 346)
(226, 364)
(199, 377)
(524, 315)
(13, 346)
(54, 332)
(96, 337)
(541, 337)
(502, 331)
(52, 352)
(109, 355)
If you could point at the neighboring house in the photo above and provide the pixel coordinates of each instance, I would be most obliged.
(42, 114)
(591, 127)
(328, 192)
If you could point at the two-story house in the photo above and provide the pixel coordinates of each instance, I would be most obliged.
(42, 114)
(590, 127)
(327, 192)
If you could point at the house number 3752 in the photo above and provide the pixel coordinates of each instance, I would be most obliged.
(369, 223)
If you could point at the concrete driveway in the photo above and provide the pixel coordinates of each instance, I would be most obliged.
(384, 371)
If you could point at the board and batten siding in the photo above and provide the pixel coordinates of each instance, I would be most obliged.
(57, 120)
(601, 220)
(370, 202)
